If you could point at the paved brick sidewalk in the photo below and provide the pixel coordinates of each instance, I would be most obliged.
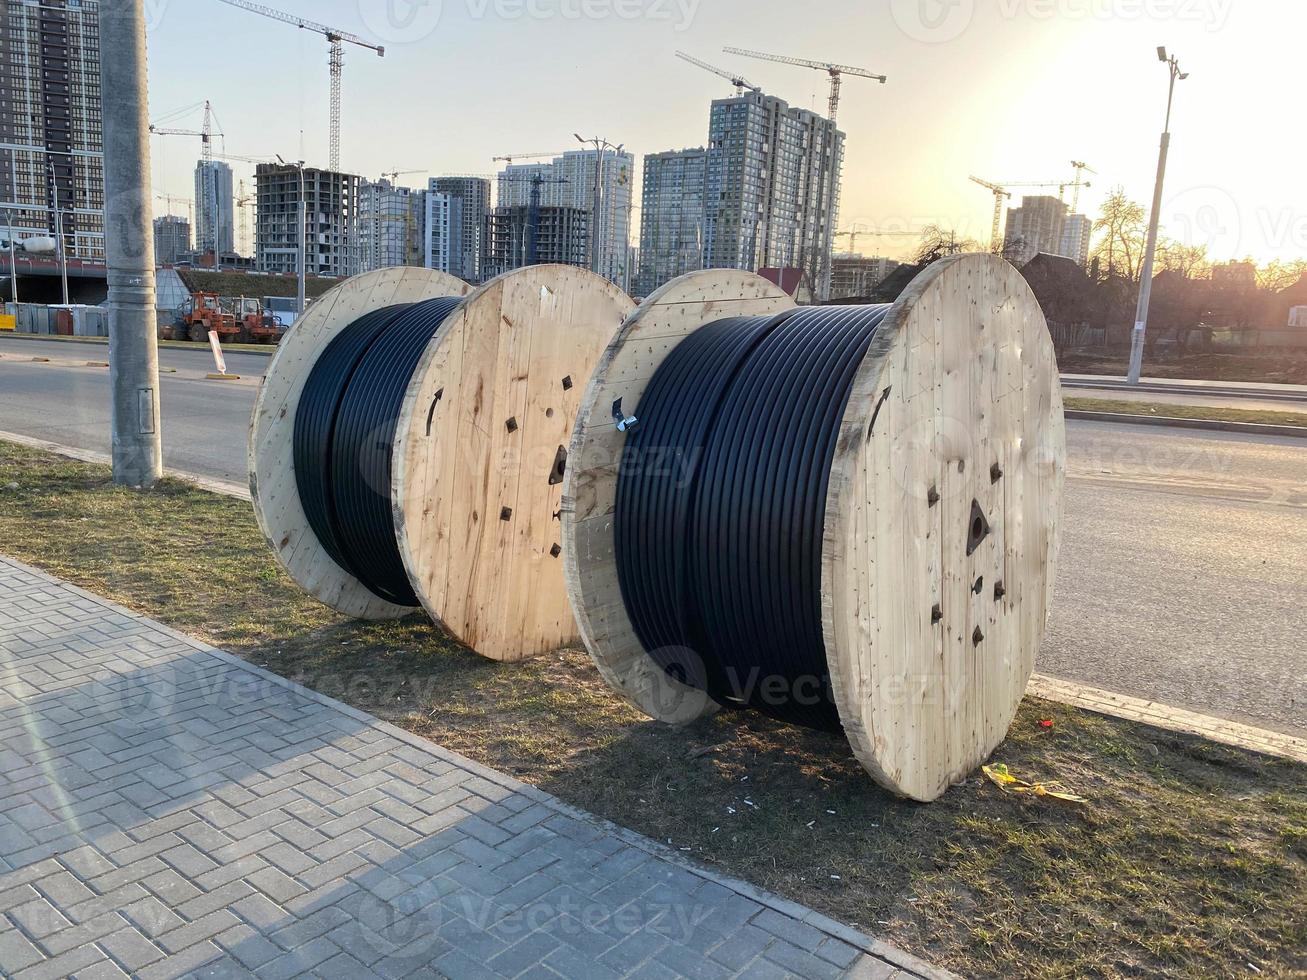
(167, 809)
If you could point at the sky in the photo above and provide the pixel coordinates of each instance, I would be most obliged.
(1008, 90)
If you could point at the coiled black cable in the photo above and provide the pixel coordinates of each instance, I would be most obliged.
(344, 435)
(721, 505)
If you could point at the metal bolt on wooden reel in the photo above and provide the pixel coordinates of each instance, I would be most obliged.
(408, 444)
(845, 517)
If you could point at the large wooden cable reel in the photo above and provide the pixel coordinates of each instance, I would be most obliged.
(941, 517)
(478, 452)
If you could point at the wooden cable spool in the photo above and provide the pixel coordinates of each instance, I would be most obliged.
(478, 453)
(941, 519)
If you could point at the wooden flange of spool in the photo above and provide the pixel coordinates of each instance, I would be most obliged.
(941, 526)
(481, 450)
(272, 428)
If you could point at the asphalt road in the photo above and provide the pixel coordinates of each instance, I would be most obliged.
(1182, 575)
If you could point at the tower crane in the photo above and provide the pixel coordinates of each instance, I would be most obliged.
(858, 231)
(836, 72)
(739, 81)
(395, 174)
(510, 157)
(819, 275)
(205, 133)
(1081, 168)
(336, 61)
(1000, 192)
(244, 202)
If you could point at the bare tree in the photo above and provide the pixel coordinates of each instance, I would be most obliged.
(1276, 276)
(1122, 231)
(1190, 261)
(936, 242)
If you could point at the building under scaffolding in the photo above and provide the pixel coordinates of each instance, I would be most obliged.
(559, 236)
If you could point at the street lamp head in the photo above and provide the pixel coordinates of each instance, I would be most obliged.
(579, 137)
(1161, 53)
(1183, 75)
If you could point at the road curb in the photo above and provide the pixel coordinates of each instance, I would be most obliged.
(1169, 717)
(222, 487)
(264, 350)
(1211, 425)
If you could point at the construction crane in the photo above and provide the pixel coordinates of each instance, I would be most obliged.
(510, 157)
(336, 61)
(531, 254)
(859, 231)
(739, 81)
(836, 72)
(205, 133)
(395, 174)
(1000, 192)
(1081, 169)
(244, 201)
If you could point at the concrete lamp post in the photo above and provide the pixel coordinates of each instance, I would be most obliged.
(1150, 251)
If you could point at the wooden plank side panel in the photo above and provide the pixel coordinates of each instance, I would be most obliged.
(978, 404)
(482, 552)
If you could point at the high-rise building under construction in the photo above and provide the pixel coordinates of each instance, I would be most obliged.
(51, 149)
(771, 179)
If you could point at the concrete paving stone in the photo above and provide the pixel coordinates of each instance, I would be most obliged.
(248, 945)
(687, 963)
(321, 897)
(300, 960)
(311, 926)
(82, 934)
(39, 918)
(261, 913)
(741, 948)
(16, 950)
(872, 968)
(798, 960)
(524, 953)
(64, 965)
(838, 952)
(792, 931)
(103, 970)
(277, 885)
(342, 966)
(457, 965)
(576, 965)
(130, 949)
(188, 961)
(223, 968)
(181, 938)
(63, 889)
(18, 895)
(632, 951)
(220, 897)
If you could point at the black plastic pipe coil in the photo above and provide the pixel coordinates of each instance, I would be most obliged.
(344, 431)
(721, 505)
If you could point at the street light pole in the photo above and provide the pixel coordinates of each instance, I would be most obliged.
(60, 252)
(1150, 250)
(600, 145)
(129, 246)
(13, 262)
